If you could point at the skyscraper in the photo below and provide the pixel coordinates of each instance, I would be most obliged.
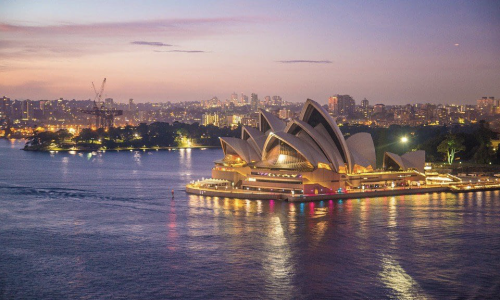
(267, 100)
(254, 102)
(27, 110)
(5, 106)
(333, 103)
(234, 97)
(244, 99)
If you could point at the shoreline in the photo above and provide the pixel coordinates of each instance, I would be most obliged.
(239, 194)
(118, 149)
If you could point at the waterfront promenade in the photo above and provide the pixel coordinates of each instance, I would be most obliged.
(228, 192)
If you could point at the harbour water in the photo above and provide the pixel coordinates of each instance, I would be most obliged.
(83, 226)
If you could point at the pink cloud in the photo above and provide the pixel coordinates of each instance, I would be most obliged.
(81, 39)
(169, 26)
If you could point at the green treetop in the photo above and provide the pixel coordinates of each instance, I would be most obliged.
(451, 146)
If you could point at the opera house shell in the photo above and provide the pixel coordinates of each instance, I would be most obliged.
(307, 155)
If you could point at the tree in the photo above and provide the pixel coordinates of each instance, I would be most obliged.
(484, 153)
(63, 135)
(451, 145)
(87, 135)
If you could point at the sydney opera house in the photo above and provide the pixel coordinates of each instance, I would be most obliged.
(308, 155)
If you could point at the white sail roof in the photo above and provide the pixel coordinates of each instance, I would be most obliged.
(411, 160)
(309, 152)
(326, 146)
(415, 160)
(268, 121)
(241, 147)
(255, 138)
(362, 149)
(314, 114)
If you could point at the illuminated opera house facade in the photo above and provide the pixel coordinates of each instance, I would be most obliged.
(309, 155)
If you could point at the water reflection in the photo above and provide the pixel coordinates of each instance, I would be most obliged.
(277, 262)
(64, 165)
(392, 222)
(399, 281)
(137, 158)
(379, 234)
(363, 218)
(133, 242)
(186, 162)
(172, 227)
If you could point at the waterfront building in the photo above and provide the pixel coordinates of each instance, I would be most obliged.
(309, 155)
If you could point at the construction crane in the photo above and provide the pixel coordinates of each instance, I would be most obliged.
(98, 96)
(104, 116)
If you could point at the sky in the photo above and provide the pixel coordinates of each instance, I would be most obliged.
(391, 52)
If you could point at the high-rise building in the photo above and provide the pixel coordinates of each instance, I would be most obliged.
(143, 116)
(341, 104)
(108, 103)
(285, 114)
(131, 104)
(378, 108)
(333, 103)
(234, 97)
(254, 102)
(244, 99)
(277, 101)
(486, 101)
(485, 105)
(267, 100)
(210, 119)
(27, 110)
(365, 103)
(5, 106)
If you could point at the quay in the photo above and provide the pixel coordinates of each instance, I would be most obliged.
(257, 195)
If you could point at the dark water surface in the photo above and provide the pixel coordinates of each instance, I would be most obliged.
(74, 226)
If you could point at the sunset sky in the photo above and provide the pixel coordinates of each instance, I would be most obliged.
(389, 52)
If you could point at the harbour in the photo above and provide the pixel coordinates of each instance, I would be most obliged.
(107, 226)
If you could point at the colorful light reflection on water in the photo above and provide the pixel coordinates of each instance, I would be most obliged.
(108, 227)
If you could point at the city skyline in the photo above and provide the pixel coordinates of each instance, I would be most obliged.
(445, 52)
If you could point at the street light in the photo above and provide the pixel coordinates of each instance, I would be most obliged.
(404, 140)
